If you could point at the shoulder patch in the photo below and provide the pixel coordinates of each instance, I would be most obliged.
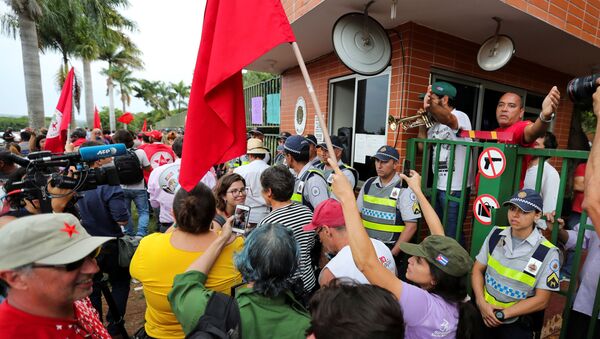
(315, 191)
(554, 265)
(552, 281)
(416, 209)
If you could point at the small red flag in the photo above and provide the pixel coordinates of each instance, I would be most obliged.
(231, 39)
(57, 131)
(145, 126)
(97, 122)
(126, 118)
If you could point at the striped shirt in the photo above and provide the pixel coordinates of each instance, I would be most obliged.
(294, 216)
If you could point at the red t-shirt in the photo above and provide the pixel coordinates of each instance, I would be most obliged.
(578, 196)
(158, 154)
(15, 323)
(518, 130)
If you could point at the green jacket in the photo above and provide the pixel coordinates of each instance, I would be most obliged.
(262, 317)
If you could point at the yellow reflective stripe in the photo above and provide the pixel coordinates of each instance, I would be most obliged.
(383, 227)
(492, 301)
(548, 244)
(379, 201)
(510, 273)
(297, 197)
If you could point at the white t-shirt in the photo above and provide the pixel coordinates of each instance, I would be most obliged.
(442, 132)
(342, 265)
(549, 188)
(143, 158)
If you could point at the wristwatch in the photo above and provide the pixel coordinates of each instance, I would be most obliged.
(499, 315)
(547, 120)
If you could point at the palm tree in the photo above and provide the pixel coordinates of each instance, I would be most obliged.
(24, 17)
(183, 92)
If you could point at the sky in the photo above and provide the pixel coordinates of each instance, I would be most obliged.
(168, 36)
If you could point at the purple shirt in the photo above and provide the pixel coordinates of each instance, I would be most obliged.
(427, 315)
(584, 301)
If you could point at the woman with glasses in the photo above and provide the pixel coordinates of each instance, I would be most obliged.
(230, 191)
(161, 256)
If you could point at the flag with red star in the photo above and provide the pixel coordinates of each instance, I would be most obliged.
(57, 132)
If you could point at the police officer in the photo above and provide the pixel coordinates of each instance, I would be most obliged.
(348, 171)
(280, 156)
(389, 212)
(310, 188)
(315, 161)
(515, 272)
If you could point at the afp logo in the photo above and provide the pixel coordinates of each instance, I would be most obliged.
(106, 152)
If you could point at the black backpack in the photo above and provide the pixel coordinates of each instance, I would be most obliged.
(129, 168)
(221, 319)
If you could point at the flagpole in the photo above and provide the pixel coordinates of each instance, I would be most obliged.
(313, 96)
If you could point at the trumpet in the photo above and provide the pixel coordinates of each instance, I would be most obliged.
(422, 118)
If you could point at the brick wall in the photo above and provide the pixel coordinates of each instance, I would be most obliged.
(578, 17)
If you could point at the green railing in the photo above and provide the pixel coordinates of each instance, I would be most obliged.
(262, 90)
(503, 189)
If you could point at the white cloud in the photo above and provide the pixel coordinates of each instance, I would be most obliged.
(169, 36)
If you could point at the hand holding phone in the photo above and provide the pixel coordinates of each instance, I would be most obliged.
(406, 167)
(240, 219)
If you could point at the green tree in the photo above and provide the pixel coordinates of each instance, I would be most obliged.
(182, 91)
(253, 77)
(23, 19)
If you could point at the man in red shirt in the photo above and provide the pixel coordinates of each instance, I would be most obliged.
(48, 261)
(158, 153)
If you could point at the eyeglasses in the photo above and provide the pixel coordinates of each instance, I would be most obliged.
(73, 265)
(241, 191)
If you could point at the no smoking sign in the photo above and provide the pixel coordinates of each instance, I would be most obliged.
(482, 208)
(492, 162)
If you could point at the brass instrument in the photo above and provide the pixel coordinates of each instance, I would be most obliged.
(422, 118)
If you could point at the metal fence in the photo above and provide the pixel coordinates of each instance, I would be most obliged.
(565, 159)
(262, 90)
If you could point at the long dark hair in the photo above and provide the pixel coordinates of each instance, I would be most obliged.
(194, 210)
(454, 289)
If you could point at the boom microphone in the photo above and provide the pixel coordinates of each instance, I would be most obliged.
(91, 153)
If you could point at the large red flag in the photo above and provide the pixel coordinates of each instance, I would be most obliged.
(145, 126)
(57, 131)
(126, 118)
(97, 122)
(234, 34)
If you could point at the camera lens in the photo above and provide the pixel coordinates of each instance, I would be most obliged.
(582, 88)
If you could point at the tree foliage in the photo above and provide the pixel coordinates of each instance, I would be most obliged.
(253, 78)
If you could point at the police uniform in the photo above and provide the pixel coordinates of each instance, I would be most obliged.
(348, 171)
(310, 188)
(384, 209)
(515, 268)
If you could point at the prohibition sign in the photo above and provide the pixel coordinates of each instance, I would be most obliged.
(482, 208)
(492, 162)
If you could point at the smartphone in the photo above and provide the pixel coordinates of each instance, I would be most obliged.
(240, 220)
(406, 167)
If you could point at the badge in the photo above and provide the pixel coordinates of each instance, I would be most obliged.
(300, 187)
(533, 266)
(416, 208)
(315, 191)
(395, 193)
(441, 259)
(554, 265)
(413, 197)
(552, 281)
(382, 149)
(522, 194)
(330, 178)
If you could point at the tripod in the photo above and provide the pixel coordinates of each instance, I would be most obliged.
(112, 307)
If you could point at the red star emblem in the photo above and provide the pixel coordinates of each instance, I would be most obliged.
(69, 229)
(162, 160)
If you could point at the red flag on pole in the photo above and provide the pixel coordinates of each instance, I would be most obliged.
(97, 123)
(126, 118)
(57, 131)
(231, 39)
(145, 126)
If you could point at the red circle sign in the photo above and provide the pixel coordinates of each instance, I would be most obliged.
(492, 162)
(482, 208)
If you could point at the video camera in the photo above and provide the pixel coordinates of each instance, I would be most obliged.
(44, 167)
(582, 88)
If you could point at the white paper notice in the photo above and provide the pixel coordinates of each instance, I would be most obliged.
(367, 145)
(318, 133)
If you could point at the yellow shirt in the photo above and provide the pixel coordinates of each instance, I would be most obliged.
(155, 264)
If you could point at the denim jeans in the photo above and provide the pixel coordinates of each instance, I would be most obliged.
(451, 224)
(140, 198)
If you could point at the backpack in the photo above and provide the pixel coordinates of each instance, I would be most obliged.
(221, 319)
(129, 168)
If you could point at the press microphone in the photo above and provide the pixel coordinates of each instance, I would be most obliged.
(91, 153)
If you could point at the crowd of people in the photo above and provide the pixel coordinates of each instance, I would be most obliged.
(283, 248)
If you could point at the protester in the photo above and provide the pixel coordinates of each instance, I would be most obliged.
(14, 148)
(229, 192)
(160, 257)
(550, 177)
(251, 172)
(440, 102)
(591, 201)
(48, 263)
(277, 189)
(389, 212)
(104, 213)
(96, 135)
(328, 221)
(77, 138)
(515, 272)
(344, 309)
(158, 153)
(439, 267)
(170, 138)
(38, 143)
(7, 166)
(267, 307)
(134, 192)
(24, 144)
(310, 188)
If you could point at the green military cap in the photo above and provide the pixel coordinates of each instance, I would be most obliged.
(443, 252)
(441, 88)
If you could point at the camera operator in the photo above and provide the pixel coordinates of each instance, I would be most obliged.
(103, 213)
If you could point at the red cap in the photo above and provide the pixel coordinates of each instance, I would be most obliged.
(328, 213)
(156, 134)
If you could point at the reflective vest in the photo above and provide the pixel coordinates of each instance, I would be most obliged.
(379, 211)
(299, 187)
(509, 284)
(328, 172)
